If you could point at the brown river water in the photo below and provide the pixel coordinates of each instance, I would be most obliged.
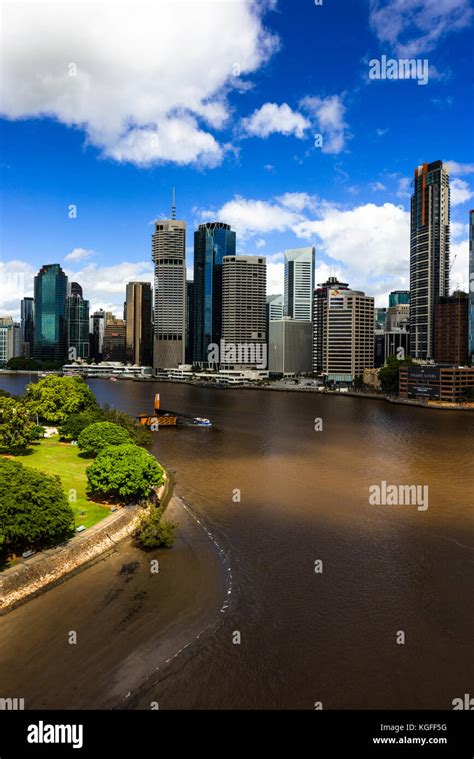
(305, 636)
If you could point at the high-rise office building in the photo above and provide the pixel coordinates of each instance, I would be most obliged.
(169, 311)
(380, 318)
(189, 351)
(289, 346)
(97, 324)
(244, 284)
(273, 311)
(299, 283)
(429, 254)
(320, 297)
(451, 329)
(471, 286)
(77, 320)
(114, 346)
(138, 307)
(398, 298)
(27, 327)
(212, 241)
(50, 333)
(10, 334)
(345, 334)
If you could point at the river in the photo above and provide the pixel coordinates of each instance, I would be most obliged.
(276, 496)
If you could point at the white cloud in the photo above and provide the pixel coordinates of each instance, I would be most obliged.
(272, 118)
(459, 275)
(376, 186)
(460, 192)
(16, 282)
(78, 254)
(296, 201)
(104, 286)
(404, 188)
(329, 114)
(249, 216)
(140, 95)
(260, 243)
(453, 167)
(411, 27)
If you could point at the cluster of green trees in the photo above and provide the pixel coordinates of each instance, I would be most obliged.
(389, 374)
(33, 364)
(34, 511)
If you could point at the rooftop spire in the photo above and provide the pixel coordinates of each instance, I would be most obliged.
(173, 206)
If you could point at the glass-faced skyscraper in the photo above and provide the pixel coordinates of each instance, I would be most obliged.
(429, 254)
(212, 241)
(77, 320)
(50, 341)
(299, 283)
(471, 286)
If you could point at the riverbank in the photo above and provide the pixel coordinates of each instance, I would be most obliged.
(22, 582)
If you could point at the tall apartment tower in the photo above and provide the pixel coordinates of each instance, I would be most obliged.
(212, 241)
(50, 341)
(299, 283)
(451, 329)
(320, 298)
(189, 352)
(139, 342)
(77, 320)
(244, 285)
(169, 308)
(27, 326)
(471, 286)
(345, 339)
(429, 254)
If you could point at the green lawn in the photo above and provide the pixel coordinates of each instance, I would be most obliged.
(54, 457)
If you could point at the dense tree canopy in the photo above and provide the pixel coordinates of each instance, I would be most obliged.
(34, 511)
(124, 472)
(55, 398)
(75, 423)
(388, 374)
(99, 435)
(139, 434)
(17, 429)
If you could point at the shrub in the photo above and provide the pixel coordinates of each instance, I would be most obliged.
(95, 437)
(152, 532)
(139, 434)
(74, 424)
(124, 472)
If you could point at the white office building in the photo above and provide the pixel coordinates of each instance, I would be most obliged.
(299, 283)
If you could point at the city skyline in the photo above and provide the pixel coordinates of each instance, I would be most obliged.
(245, 152)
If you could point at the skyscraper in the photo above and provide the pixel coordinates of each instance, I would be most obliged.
(343, 333)
(115, 341)
(27, 326)
(77, 320)
(212, 241)
(471, 286)
(139, 341)
(189, 322)
(299, 283)
(319, 318)
(169, 312)
(50, 340)
(97, 326)
(9, 339)
(451, 329)
(273, 311)
(398, 298)
(244, 284)
(429, 254)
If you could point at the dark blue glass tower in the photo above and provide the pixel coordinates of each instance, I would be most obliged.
(212, 241)
(50, 342)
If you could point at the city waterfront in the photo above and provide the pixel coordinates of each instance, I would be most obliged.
(279, 493)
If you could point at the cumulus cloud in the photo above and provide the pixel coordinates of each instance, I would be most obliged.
(412, 27)
(16, 282)
(275, 119)
(459, 169)
(329, 115)
(78, 254)
(139, 95)
(460, 192)
(377, 186)
(296, 201)
(249, 216)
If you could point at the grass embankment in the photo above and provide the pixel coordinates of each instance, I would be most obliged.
(53, 457)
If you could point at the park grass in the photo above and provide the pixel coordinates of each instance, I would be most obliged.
(54, 457)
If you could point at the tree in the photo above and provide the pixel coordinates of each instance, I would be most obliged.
(124, 472)
(34, 511)
(152, 532)
(17, 429)
(139, 434)
(388, 374)
(74, 424)
(99, 435)
(55, 398)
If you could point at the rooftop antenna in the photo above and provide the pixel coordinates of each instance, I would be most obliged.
(173, 206)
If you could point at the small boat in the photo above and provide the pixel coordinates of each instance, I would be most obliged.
(113, 379)
(200, 421)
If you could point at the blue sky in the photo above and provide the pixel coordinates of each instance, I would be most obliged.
(115, 103)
